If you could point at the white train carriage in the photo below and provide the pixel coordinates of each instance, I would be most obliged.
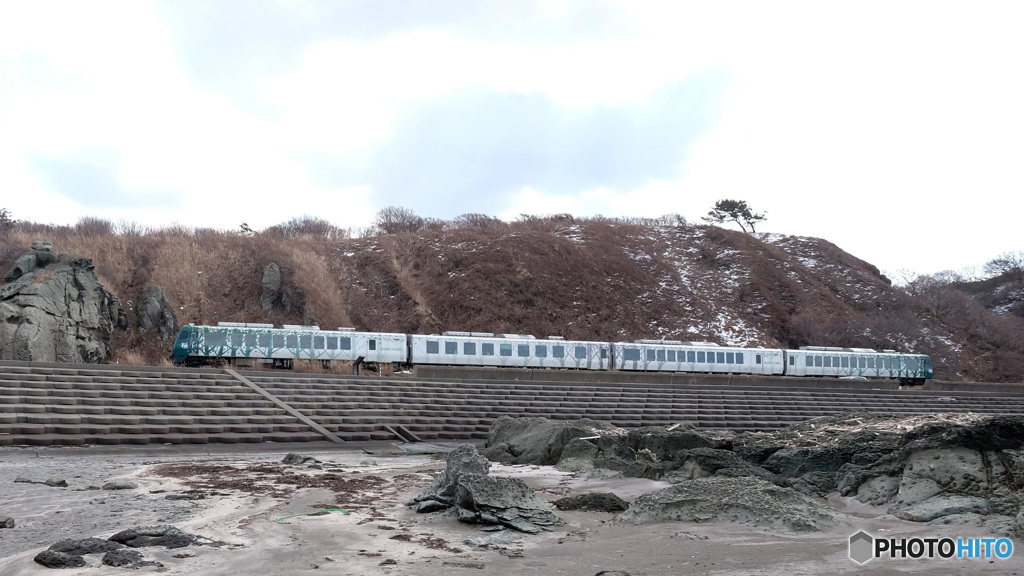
(857, 362)
(676, 356)
(236, 340)
(508, 350)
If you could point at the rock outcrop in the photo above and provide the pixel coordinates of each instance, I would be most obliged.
(744, 500)
(53, 308)
(156, 312)
(928, 468)
(476, 498)
(271, 287)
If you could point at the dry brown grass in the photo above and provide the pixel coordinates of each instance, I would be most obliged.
(586, 278)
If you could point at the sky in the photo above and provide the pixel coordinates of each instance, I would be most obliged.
(893, 129)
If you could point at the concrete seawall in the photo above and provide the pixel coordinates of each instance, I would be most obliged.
(463, 374)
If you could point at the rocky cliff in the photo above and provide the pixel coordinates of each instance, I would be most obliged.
(53, 308)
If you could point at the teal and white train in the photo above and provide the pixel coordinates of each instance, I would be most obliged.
(231, 341)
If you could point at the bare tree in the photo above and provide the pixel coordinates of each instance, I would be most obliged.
(6, 221)
(395, 219)
(734, 211)
(1008, 263)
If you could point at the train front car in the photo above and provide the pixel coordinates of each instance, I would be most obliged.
(858, 363)
(184, 344)
(232, 341)
(508, 350)
(699, 357)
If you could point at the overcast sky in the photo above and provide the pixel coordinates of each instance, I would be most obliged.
(893, 129)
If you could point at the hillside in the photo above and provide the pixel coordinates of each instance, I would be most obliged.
(595, 278)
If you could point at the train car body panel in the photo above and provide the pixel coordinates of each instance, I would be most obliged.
(509, 352)
(292, 343)
(850, 363)
(657, 357)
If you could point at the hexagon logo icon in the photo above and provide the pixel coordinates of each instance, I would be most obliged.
(861, 547)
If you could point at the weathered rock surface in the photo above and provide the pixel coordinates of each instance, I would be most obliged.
(85, 546)
(54, 309)
(271, 287)
(926, 467)
(115, 550)
(745, 500)
(481, 499)
(593, 502)
(6, 522)
(166, 536)
(54, 559)
(155, 312)
(534, 440)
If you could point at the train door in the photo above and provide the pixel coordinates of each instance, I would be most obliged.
(772, 361)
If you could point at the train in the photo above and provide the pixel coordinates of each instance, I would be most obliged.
(234, 341)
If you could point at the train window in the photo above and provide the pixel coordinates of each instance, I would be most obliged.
(469, 348)
(346, 343)
(183, 336)
(846, 362)
(817, 361)
(264, 340)
(885, 363)
(332, 342)
(661, 355)
(278, 340)
(720, 358)
(809, 361)
(911, 364)
(523, 350)
(216, 338)
(236, 339)
(372, 344)
(305, 341)
(711, 357)
(739, 357)
(581, 352)
(871, 363)
(835, 361)
(691, 356)
(433, 347)
(487, 349)
(451, 347)
(505, 349)
(604, 353)
(631, 354)
(672, 355)
(730, 358)
(862, 362)
(291, 340)
(250, 340)
(540, 351)
(558, 351)
(828, 361)
(650, 355)
(318, 342)
(700, 356)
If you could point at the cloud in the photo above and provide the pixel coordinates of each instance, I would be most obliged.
(468, 152)
(91, 179)
(228, 45)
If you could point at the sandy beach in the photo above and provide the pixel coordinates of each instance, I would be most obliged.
(258, 510)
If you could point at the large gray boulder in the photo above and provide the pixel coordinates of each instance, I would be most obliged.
(156, 312)
(744, 500)
(271, 286)
(59, 312)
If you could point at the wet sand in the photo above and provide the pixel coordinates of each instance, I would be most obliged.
(267, 530)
